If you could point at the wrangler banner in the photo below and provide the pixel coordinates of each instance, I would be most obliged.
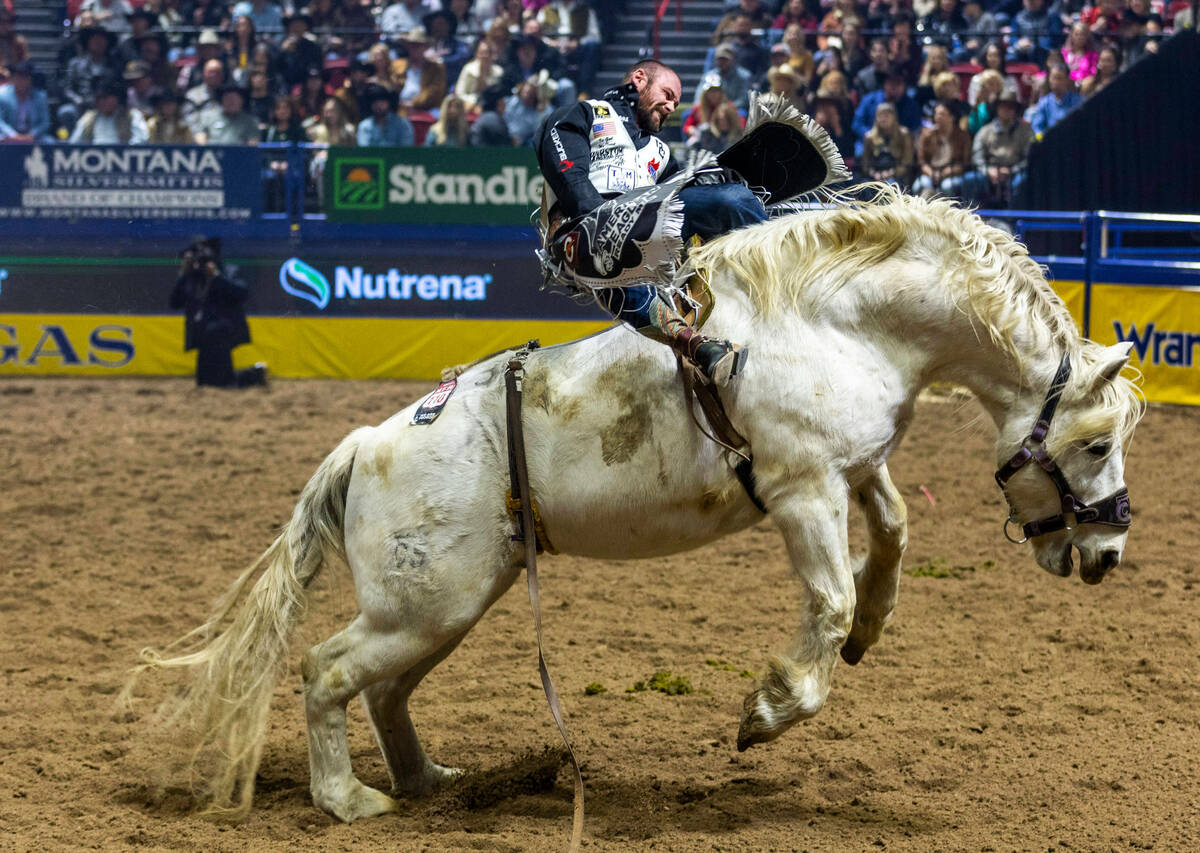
(432, 186)
(1163, 324)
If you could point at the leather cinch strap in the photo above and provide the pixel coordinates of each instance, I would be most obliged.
(521, 495)
(723, 432)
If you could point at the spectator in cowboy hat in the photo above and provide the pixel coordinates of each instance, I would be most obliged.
(207, 13)
(353, 90)
(24, 111)
(110, 121)
(784, 80)
(420, 79)
(529, 56)
(140, 23)
(999, 154)
(141, 88)
(79, 90)
(453, 53)
(232, 125)
(383, 127)
(152, 48)
(166, 126)
(299, 52)
(208, 47)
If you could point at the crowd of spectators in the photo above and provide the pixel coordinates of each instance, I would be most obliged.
(339, 72)
(936, 96)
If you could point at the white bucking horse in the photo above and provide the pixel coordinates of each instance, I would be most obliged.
(848, 313)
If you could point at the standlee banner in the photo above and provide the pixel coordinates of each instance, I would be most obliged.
(432, 186)
(130, 182)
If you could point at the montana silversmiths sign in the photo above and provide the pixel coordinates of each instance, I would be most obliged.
(129, 182)
(432, 186)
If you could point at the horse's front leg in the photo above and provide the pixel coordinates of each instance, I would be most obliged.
(878, 580)
(813, 524)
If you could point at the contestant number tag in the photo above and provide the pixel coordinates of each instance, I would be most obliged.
(428, 411)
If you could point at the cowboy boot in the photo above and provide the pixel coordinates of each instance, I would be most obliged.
(717, 361)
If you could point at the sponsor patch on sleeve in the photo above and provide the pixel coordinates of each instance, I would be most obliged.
(428, 411)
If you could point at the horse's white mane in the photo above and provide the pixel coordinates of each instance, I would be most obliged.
(792, 262)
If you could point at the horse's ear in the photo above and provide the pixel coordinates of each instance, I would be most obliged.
(1113, 360)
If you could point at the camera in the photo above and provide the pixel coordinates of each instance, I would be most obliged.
(201, 251)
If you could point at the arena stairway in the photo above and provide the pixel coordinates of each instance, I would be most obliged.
(41, 22)
(684, 50)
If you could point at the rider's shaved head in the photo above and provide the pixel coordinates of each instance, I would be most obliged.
(652, 68)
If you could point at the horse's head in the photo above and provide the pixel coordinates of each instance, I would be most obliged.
(1062, 465)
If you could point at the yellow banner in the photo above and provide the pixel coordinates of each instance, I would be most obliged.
(1163, 324)
(352, 348)
(1071, 292)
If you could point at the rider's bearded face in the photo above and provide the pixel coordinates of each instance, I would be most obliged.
(658, 96)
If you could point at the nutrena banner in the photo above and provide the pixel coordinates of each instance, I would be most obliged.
(432, 186)
(340, 311)
(1163, 324)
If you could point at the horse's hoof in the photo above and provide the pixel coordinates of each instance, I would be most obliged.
(754, 728)
(853, 651)
(435, 778)
(359, 803)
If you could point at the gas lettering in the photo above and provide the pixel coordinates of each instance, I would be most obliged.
(104, 346)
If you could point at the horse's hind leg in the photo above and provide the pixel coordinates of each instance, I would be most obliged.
(813, 524)
(877, 581)
(386, 701)
(334, 671)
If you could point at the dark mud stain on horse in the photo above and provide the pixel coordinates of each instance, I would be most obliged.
(538, 394)
(622, 438)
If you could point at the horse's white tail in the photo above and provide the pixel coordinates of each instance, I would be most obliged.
(234, 670)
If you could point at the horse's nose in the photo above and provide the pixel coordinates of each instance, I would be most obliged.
(1109, 558)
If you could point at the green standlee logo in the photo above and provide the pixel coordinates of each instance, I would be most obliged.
(432, 186)
(358, 183)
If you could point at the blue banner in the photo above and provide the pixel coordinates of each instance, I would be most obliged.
(130, 182)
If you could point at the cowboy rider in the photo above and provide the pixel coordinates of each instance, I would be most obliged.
(587, 156)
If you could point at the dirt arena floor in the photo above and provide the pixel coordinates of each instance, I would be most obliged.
(1005, 709)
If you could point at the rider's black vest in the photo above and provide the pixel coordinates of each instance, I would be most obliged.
(593, 150)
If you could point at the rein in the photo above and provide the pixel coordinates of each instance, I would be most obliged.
(521, 504)
(1113, 511)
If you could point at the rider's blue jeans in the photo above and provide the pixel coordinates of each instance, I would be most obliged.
(709, 210)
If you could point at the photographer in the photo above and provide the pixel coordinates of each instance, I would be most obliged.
(214, 317)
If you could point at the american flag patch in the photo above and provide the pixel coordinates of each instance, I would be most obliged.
(602, 128)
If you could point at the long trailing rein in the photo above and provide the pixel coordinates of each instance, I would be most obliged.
(521, 502)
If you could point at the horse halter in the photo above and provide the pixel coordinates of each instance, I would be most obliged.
(1113, 510)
